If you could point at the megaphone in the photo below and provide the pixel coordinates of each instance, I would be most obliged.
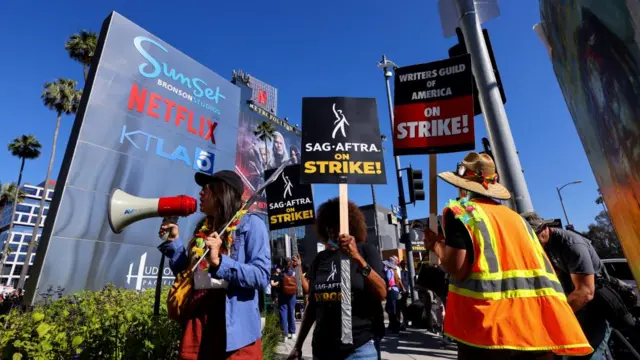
(125, 209)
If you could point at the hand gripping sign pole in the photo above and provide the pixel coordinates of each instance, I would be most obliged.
(245, 208)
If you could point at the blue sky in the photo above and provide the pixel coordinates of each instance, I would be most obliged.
(327, 48)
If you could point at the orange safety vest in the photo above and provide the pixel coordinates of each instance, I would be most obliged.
(512, 299)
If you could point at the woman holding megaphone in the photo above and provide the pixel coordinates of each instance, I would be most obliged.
(220, 318)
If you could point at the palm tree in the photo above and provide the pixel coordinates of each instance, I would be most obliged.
(8, 195)
(82, 47)
(62, 97)
(25, 147)
(264, 132)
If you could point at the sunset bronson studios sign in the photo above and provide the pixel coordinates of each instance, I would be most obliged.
(149, 119)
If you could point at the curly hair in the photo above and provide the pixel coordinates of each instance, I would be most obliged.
(328, 221)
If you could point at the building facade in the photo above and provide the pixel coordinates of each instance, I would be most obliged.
(388, 231)
(24, 221)
(263, 95)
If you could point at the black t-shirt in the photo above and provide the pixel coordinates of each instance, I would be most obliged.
(456, 235)
(324, 286)
(276, 290)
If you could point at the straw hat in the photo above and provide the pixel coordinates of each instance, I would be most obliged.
(477, 173)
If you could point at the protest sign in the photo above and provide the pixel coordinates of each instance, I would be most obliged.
(290, 202)
(434, 107)
(341, 142)
(341, 145)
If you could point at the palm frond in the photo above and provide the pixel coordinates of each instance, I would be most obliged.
(25, 147)
(82, 46)
(61, 96)
(8, 194)
(264, 131)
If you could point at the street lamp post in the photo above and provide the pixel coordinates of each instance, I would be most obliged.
(386, 65)
(559, 189)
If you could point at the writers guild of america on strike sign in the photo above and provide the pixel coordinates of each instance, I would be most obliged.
(290, 203)
(434, 107)
(341, 141)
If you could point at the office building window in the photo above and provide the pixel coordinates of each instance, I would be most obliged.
(23, 208)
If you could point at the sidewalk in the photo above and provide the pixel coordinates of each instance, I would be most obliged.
(413, 344)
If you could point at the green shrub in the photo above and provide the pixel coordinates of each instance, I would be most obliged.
(271, 336)
(108, 324)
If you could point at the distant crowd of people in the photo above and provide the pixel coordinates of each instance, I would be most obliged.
(10, 300)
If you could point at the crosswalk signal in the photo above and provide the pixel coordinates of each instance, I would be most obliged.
(416, 186)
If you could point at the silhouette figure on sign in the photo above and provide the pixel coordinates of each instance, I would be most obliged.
(287, 186)
(339, 123)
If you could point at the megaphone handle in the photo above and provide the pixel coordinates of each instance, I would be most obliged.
(168, 220)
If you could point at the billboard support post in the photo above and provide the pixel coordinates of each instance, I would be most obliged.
(497, 124)
(404, 228)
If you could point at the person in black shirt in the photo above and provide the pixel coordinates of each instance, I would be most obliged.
(578, 266)
(368, 289)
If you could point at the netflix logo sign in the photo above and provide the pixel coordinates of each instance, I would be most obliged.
(262, 97)
(434, 108)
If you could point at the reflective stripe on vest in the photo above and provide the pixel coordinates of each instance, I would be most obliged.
(491, 282)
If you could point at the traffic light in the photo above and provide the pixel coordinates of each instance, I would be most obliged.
(416, 185)
(461, 49)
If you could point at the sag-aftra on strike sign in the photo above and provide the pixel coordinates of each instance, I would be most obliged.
(341, 142)
(290, 202)
(434, 107)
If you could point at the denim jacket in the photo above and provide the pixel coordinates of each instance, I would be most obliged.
(246, 270)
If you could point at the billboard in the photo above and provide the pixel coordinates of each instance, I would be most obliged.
(254, 156)
(150, 117)
(595, 51)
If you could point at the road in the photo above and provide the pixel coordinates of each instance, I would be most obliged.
(413, 344)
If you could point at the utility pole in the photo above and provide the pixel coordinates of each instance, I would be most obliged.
(386, 66)
(497, 124)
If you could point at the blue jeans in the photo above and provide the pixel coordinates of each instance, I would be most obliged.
(392, 309)
(367, 351)
(599, 351)
(287, 313)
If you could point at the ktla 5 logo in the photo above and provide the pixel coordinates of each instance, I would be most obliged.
(201, 161)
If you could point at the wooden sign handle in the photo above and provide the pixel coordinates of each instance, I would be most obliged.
(344, 208)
